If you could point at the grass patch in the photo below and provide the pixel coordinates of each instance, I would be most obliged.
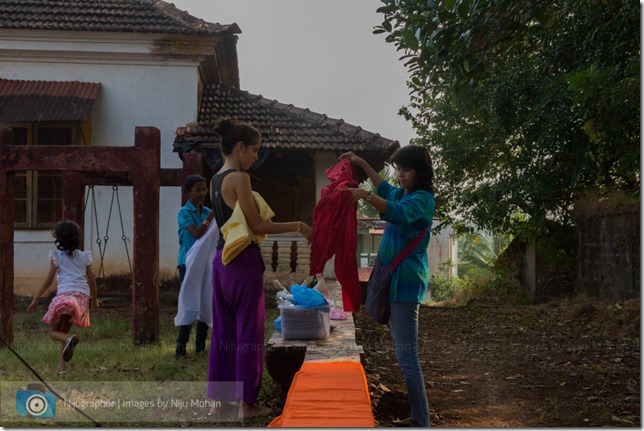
(106, 353)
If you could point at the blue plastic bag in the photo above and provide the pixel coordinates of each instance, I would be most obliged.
(277, 323)
(307, 297)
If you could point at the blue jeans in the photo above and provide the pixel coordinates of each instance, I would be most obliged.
(403, 325)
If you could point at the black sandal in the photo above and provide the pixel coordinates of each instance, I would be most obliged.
(68, 351)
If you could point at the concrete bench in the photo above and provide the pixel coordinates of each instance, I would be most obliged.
(323, 379)
(285, 357)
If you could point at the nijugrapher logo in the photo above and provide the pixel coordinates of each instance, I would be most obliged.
(36, 402)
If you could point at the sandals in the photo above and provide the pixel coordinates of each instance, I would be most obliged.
(68, 350)
(402, 422)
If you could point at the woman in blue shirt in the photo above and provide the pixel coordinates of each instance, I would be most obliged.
(408, 210)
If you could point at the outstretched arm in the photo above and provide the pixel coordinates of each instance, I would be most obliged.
(372, 199)
(242, 188)
(374, 176)
(43, 288)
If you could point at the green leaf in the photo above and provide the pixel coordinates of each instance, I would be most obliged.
(410, 40)
(507, 92)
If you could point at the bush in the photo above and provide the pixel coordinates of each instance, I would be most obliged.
(440, 288)
(492, 286)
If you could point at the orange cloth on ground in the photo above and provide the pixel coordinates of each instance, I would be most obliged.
(327, 394)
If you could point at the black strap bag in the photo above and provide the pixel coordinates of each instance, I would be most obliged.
(377, 302)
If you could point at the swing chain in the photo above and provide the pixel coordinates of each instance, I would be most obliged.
(102, 250)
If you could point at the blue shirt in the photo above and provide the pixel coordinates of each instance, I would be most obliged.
(407, 215)
(188, 215)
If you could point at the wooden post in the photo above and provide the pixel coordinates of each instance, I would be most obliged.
(145, 277)
(6, 241)
(72, 195)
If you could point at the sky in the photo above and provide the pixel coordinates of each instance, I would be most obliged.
(317, 54)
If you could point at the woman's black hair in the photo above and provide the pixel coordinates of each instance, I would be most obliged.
(68, 236)
(417, 158)
(190, 181)
(233, 131)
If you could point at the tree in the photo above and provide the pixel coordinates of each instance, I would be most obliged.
(524, 104)
(363, 207)
(480, 252)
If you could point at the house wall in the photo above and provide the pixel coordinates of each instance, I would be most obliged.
(140, 87)
(439, 252)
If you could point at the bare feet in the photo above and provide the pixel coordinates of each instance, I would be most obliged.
(221, 408)
(252, 410)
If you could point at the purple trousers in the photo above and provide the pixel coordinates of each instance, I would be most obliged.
(237, 343)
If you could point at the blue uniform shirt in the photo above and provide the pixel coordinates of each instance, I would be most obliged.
(188, 215)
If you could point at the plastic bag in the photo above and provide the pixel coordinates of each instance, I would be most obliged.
(284, 298)
(307, 297)
(317, 282)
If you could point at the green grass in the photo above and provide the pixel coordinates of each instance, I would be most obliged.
(106, 353)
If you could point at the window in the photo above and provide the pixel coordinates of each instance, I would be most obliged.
(38, 194)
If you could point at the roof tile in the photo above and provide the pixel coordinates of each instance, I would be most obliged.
(127, 16)
(281, 125)
(33, 101)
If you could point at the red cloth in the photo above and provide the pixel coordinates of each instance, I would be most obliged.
(335, 231)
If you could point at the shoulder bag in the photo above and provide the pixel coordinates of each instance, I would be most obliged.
(377, 301)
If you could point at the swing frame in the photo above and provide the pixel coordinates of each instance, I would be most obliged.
(137, 166)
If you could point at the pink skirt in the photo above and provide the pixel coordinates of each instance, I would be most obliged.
(75, 304)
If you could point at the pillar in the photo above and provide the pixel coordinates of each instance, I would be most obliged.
(6, 240)
(145, 278)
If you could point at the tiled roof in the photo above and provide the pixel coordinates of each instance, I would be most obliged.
(33, 101)
(129, 16)
(282, 126)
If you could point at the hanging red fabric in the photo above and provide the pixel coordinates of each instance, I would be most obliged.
(335, 231)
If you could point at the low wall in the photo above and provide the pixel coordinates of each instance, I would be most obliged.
(609, 248)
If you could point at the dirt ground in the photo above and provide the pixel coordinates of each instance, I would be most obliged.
(568, 362)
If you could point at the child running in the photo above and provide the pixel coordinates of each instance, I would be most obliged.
(75, 285)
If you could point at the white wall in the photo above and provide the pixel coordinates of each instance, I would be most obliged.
(137, 90)
(439, 252)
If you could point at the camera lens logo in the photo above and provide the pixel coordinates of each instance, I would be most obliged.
(36, 402)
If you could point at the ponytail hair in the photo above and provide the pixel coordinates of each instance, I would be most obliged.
(233, 131)
(417, 158)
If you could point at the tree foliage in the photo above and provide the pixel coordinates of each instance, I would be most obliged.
(524, 104)
(363, 207)
(480, 252)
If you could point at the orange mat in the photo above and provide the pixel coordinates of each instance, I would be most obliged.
(327, 394)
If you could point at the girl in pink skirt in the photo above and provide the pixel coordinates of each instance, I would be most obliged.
(76, 284)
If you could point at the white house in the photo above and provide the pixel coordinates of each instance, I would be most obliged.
(134, 63)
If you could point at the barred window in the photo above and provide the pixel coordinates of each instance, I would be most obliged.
(38, 194)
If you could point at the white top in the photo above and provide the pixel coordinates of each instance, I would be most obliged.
(195, 296)
(71, 270)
